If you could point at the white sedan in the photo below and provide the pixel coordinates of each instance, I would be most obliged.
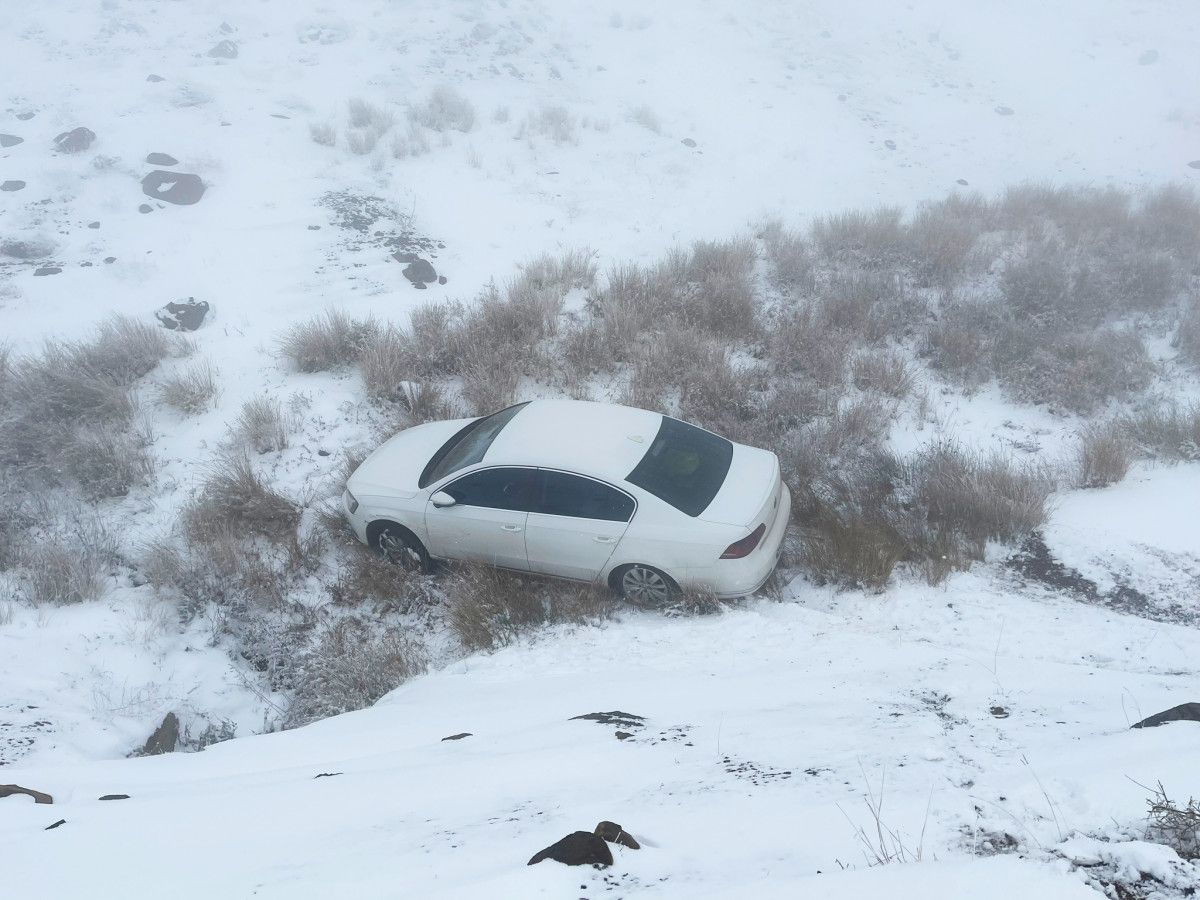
(592, 492)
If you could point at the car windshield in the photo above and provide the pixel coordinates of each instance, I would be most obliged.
(685, 466)
(468, 445)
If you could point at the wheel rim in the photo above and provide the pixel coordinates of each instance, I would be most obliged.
(645, 586)
(396, 549)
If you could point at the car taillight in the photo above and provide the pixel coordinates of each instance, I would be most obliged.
(746, 545)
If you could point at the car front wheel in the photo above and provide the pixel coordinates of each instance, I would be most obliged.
(398, 545)
(644, 586)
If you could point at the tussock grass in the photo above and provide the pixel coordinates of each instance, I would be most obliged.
(1168, 431)
(236, 499)
(1103, 456)
(323, 133)
(190, 391)
(328, 341)
(553, 122)
(68, 562)
(261, 426)
(444, 110)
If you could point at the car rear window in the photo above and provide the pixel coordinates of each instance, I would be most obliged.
(468, 445)
(685, 466)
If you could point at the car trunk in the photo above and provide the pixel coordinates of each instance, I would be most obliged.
(749, 495)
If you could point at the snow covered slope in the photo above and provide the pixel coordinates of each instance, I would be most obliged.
(981, 708)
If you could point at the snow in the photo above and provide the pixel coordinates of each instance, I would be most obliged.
(764, 725)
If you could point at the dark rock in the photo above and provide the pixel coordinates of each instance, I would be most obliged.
(25, 116)
(457, 737)
(174, 187)
(75, 141)
(441, 279)
(115, 797)
(26, 249)
(1194, 164)
(144, 208)
(10, 140)
(624, 735)
(1148, 58)
(161, 159)
(55, 825)
(999, 712)
(93, 224)
(961, 181)
(580, 848)
(8, 790)
(85, 265)
(185, 315)
(164, 738)
(613, 717)
(47, 270)
(891, 145)
(14, 185)
(224, 50)
(226, 28)
(420, 272)
(688, 142)
(615, 834)
(155, 78)
(1004, 110)
(322, 452)
(109, 260)
(279, 116)
(326, 774)
(1184, 712)
(314, 227)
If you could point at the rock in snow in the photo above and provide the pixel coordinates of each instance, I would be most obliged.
(580, 848)
(183, 315)
(75, 141)
(162, 159)
(164, 738)
(1184, 712)
(615, 834)
(224, 50)
(174, 187)
(8, 790)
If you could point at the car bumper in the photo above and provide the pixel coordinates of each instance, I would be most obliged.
(357, 520)
(730, 578)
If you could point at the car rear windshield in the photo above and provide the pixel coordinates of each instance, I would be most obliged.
(468, 445)
(685, 466)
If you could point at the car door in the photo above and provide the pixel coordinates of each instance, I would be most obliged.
(487, 521)
(574, 524)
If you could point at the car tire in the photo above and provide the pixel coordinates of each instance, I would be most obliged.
(398, 545)
(644, 586)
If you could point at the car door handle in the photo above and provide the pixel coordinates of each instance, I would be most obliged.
(604, 540)
(512, 527)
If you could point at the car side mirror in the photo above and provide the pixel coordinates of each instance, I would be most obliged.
(441, 500)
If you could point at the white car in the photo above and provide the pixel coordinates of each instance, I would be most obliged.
(592, 492)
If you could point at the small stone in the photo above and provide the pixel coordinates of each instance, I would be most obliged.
(109, 260)
(999, 712)
(420, 272)
(580, 848)
(224, 50)
(891, 145)
(25, 116)
(1148, 58)
(93, 224)
(75, 141)
(55, 825)
(26, 249)
(457, 737)
(279, 116)
(226, 28)
(14, 185)
(145, 208)
(323, 452)
(115, 797)
(174, 187)
(1194, 164)
(164, 738)
(161, 159)
(327, 775)
(961, 181)
(1004, 110)
(155, 78)
(10, 140)
(314, 227)
(47, 270)
(441, 279)
(688, 142)
(624, 735)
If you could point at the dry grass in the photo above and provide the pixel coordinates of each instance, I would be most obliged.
(328, 341)
(444, 110)
(236, 499)
(261, 426)
(68, 562)
(1103, 457)
(1175, 824)
(1165, 431)
(323, 133)
(1187, 335)
(190, 391)
(790, 257)
(943, 235)
(872, 239)
(553, 122)
(882, 372)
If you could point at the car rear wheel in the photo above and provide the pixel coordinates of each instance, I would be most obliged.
(644, 586)
(398, 545)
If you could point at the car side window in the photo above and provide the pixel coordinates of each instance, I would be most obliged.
(561, 494)
(494, 489)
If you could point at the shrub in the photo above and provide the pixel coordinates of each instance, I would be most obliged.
(1103, 456)
(328, 341)
(350, 668)
(489, 383)
(960, 341)
(236, 500)
(789, 256)
(866, 308)
(1168, 431)
(189, 391)
(367, 115)
(1175, 824)
(943, 235)
(646, 117)
(105, 461)
(362, 141)
(261, 426)
(883, 373)
(323, 133)
(67, 562)
(1168, 218)
(1074, 211)
(868, 240)
(800, 344)
(554, 122)
(570, 270)
(1187, 335)
(386, 363)
(435, 339)
(413, 142)
(444, 110)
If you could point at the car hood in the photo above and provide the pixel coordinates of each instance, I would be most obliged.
(746, 496)
(393, 469)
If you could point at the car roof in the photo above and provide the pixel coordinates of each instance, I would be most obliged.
(603, 440)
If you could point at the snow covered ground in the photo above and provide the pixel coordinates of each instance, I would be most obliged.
(983, 707)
